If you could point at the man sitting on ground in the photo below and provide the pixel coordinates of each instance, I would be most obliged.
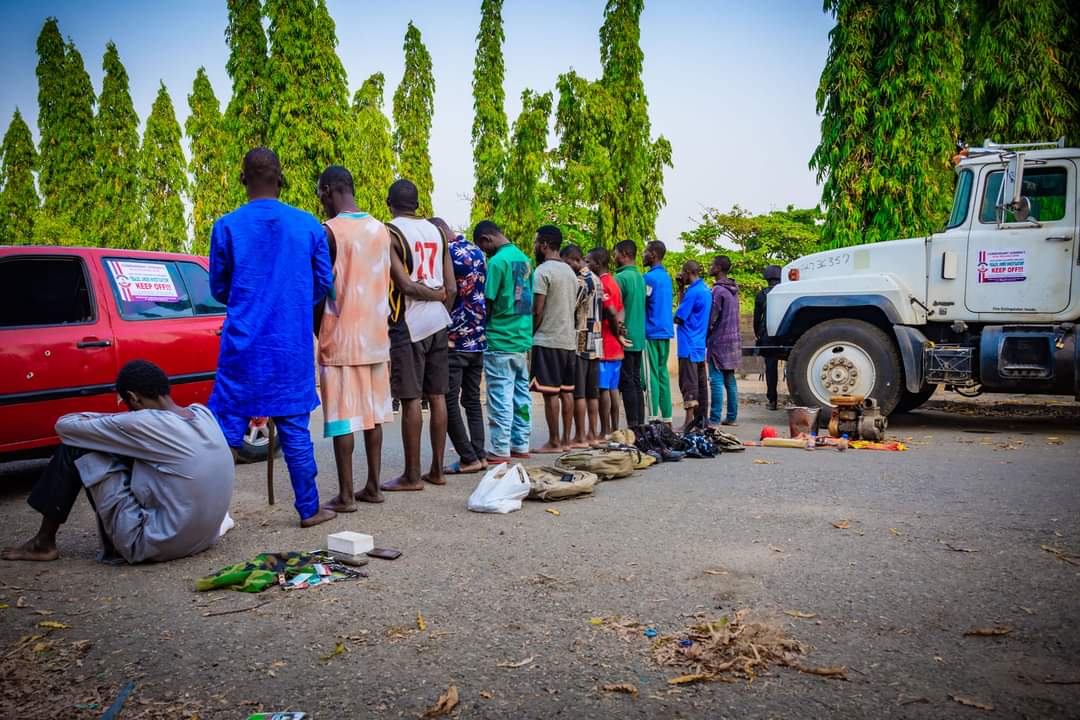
(159, 478)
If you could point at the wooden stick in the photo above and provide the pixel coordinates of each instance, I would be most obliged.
(237, 610)
(270, 463)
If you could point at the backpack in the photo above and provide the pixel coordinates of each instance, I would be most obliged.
(549, 483)
(605, 463)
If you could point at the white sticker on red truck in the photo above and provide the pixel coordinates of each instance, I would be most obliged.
(143, 281)
(1001, 266)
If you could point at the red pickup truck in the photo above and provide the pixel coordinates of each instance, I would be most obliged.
(71, 317)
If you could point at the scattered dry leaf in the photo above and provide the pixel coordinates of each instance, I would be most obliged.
(42, 612)
(420, 624)
(339, 649)
(487, 694)
(776, 548)
(1055, 440)
(894, 531)
(627, 688)
(763, 461)
(989, 631)
(800, 614)
(1028, 610)
(21, 602)
(959, 548)
(687, 679)
(446, 702)
(832, 672)
(970, 702)
(519, 663)
(4, 606)
(53, 625)
(1063, 555)
(716, 572)
(842, 524)
(553, 511)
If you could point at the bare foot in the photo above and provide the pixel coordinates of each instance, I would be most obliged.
(341, 504)
(400, 484)
(439, 479)
(578, 444)
(370, 496)
(548, 448)
(459, 469)
(318, 518)
(31, 550)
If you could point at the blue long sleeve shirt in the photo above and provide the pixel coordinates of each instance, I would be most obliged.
(269, 264)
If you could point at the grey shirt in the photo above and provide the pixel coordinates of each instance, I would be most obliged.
(171, 502)
(558, 284)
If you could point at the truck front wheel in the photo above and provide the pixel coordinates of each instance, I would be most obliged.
(844, 357)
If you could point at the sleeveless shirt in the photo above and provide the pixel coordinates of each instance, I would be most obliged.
(354, 330)
(425, 244)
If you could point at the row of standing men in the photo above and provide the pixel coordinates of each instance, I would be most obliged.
(408, 310)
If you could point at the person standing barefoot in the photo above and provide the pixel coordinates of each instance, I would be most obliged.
(354, 342)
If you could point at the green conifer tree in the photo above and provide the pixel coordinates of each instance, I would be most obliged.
(916, 118)
(1018, 56)
(309, 115)
(66, 129)
(627, 214)
(372, 160)
(116, 218)
(519, 210)
(489, 130)
(247, 114)
(50, 76)
(18, 196)
(414, 106)
(211, 176)
(164, 178)
(580, 171)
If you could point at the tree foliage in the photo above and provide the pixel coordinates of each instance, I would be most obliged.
(164, 178)
(372, 160)
(18, 196)
(519, 210)
(889, 99)
(309, 113)
(211, 174)
(630, 205)
(117, 214)
(248, 112)
(66, 131)
(1021, 83)
(751, 241)
(489, 130)
(414, 106)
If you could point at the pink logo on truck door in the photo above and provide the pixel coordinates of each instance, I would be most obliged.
(997, 266)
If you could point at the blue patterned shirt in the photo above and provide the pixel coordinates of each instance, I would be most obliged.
(469, 315)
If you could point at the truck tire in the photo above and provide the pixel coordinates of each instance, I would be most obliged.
(911, 401)
(845, 357)
(256, 443)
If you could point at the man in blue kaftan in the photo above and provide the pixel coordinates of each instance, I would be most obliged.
(269, 264)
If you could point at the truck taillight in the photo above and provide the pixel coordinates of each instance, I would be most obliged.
(793, 274)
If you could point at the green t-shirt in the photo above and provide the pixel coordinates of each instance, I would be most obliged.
(632, 287)
(508, 290)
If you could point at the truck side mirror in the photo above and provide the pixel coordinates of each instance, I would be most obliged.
(1010, 199)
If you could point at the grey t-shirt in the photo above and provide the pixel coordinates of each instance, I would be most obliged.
(557, 283)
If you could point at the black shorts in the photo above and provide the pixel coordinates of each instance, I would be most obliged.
(553, 370)
(691, 376)
(587, 379)
(420, 368)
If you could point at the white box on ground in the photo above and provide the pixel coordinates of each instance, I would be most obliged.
(349, 543)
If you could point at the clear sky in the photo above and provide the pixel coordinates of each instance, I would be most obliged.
(731, 84)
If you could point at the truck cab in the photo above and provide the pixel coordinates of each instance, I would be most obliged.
(988, 304)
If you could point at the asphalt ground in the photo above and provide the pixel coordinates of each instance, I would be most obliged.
(941, 539)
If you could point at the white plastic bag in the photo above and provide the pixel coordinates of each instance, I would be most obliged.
(501, 490)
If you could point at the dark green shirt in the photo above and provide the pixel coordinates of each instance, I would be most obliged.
(509, 295)
(632, 287)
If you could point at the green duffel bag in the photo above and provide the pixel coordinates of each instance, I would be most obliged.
(551, 483)
(605, 463)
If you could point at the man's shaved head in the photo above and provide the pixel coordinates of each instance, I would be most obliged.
(403, 196)
(337, 178)
(262, 170)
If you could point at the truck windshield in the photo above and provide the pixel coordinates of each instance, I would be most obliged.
(962, 199)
